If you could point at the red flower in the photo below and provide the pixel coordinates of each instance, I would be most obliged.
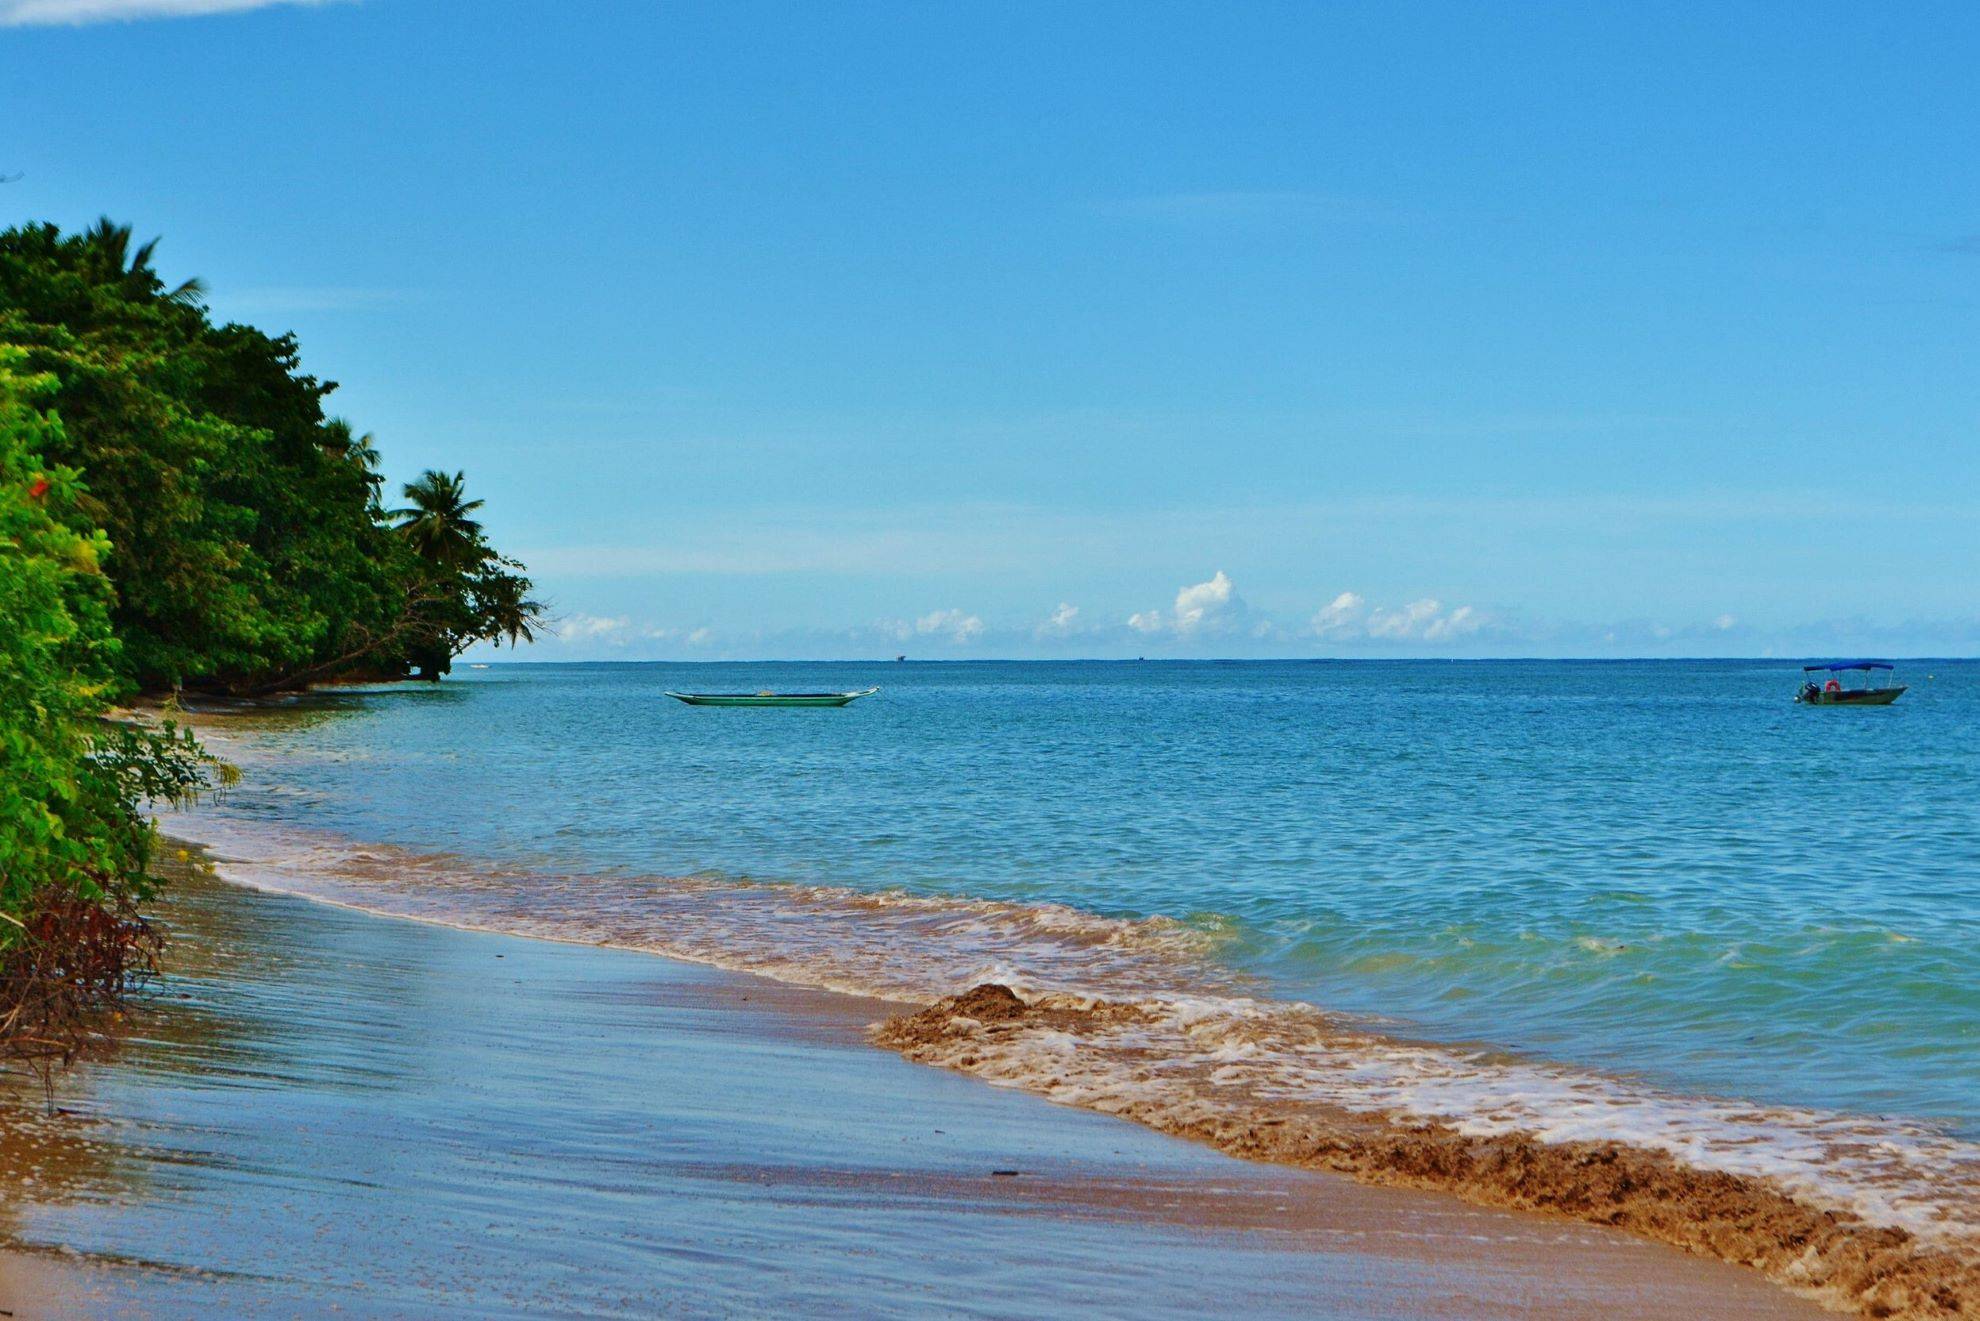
(38, 489)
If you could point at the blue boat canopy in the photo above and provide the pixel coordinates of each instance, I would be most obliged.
(1848, 665)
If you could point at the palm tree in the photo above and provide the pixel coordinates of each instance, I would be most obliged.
(363, 451)
(341, 440)
(111, 262)
(506, 611)
(437, 522)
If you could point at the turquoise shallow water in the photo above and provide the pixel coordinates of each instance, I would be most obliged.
(1663, 871)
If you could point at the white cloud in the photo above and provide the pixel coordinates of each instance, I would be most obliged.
(1348, 618)
(1456, 624)
(617, 631)
(1407, 622)
(1208, 607)
(1342, 618)
(25, 13)
(1205, 609)
(1725, 623)
(959, 627)
(1063, 622)
(592, 628)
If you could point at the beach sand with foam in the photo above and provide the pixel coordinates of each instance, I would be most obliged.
(325, 1110)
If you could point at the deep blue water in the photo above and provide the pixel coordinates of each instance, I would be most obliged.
(1662, 869)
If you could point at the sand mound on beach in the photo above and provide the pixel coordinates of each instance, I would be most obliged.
(1844, 1262)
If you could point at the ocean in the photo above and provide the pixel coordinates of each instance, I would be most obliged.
(1649, 902)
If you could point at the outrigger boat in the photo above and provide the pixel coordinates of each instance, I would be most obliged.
(771, 699)
(1833, 691)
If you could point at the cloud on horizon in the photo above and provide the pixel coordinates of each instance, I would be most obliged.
(75, 13)
(1205, 609)
(952, 625)
(1349, 618)
(1213, 609)
(1062, 623)
(1212, 619)
(591, 628)
(1408, 633)
(616, 632)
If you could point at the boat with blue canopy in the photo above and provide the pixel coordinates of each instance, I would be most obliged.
(1849, 683)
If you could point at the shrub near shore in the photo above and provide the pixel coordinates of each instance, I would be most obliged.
(74, 846)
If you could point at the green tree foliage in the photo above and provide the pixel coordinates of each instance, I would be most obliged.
(69, 800)
(252, 548)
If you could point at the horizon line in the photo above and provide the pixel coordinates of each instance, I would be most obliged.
(1198, 660)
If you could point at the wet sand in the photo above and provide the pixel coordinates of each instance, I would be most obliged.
(328, 1111)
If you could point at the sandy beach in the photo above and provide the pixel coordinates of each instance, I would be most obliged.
(322, 1110)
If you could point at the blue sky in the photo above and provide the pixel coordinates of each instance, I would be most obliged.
(1304, 329)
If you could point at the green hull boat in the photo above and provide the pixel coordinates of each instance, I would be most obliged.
(771, 699)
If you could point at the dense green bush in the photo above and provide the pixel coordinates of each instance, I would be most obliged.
(74, 842)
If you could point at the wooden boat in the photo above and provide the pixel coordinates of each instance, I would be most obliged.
(770, 698)
(1825, 685)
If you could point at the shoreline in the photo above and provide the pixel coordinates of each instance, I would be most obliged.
(262, 1024)
(1144, 1061)
(1846, 1264)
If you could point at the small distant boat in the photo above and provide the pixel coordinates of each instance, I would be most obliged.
(1849, 683)
(771, 699)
